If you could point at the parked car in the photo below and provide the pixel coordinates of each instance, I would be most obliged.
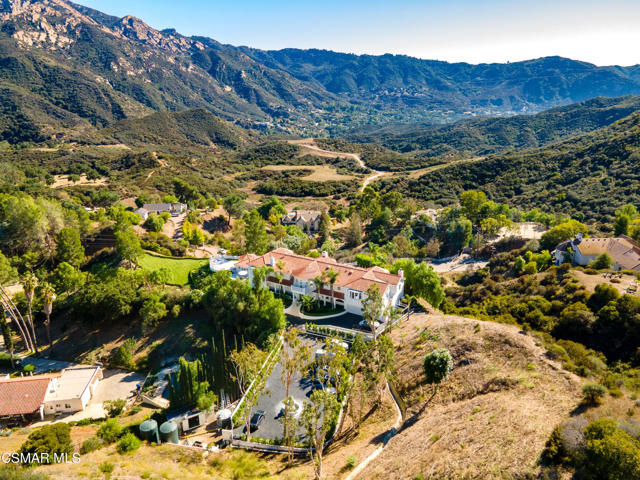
(365, 326)
(256, 420)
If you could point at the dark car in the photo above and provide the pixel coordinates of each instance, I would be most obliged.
(256, 419)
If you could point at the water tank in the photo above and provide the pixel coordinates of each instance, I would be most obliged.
(169, 432)
(224, 418)
(149, 431)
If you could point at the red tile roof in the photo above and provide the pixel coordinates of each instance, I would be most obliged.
(306, 268)
(22, 396)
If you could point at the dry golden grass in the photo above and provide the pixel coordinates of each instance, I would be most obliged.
(493, 415)
(308, 146)
(590, 281)
(178, 463)
(60, 181)
(320, 173)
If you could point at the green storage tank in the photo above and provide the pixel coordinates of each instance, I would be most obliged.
(149, 431)
(169, 432)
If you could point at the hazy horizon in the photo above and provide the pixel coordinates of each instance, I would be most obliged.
(494, 31)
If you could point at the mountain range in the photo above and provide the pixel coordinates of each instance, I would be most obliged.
(67, 69)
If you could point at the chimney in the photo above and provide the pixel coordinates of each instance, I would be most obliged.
(401, 273)
(325, 254)
(272, 261)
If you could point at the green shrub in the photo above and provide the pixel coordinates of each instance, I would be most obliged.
(593, 393)
(54, 439)
(554, 452)
(352, 461)
(602, 261)
(122, 358)
(106, 468)
(610, 452)
(114, 407)
(91, 444)
(556, 352)
(128, 443)
(110, 430)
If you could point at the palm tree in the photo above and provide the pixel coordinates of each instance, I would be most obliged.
(307, 302)
(29, 284)
(48, 296)
(409, 299)
(332, 277)
(318, 282)
(7, 334)
(278, 274)
(10, 309)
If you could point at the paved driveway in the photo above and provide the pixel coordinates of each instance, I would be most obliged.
(271, 402)
(116, 384)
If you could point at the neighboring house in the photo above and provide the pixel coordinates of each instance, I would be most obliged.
(24, 397)
(174, 209)
(222, 263)
(624, 251)
(72, 390)
(305, 220)
(294, 274)
(432, 213)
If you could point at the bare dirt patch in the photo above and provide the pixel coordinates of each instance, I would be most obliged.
(590, 281)
(61, 181)
(321, 173)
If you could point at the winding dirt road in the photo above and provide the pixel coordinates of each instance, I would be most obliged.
(311, 147)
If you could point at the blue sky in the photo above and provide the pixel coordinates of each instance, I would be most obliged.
(604, 32)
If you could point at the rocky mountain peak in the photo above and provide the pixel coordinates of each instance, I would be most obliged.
(135, 29)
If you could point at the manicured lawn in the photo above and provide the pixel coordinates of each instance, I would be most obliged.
(179, 267)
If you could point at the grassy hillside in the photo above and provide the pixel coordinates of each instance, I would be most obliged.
(588, 176)
(493, 415)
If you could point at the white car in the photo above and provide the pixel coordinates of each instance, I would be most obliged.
(364, 325)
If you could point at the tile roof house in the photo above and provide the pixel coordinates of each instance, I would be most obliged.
(624, 251)
(174, 209)
(295, 274)
(24, 396)
(307, 220)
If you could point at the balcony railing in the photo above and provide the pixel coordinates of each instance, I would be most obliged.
(299, 289)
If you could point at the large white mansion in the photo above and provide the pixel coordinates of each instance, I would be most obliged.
(295, 273)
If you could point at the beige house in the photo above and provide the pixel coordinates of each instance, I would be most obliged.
(72, 390)
(624, 251)
(306, 220)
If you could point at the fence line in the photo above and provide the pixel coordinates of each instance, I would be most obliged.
(266, 362)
